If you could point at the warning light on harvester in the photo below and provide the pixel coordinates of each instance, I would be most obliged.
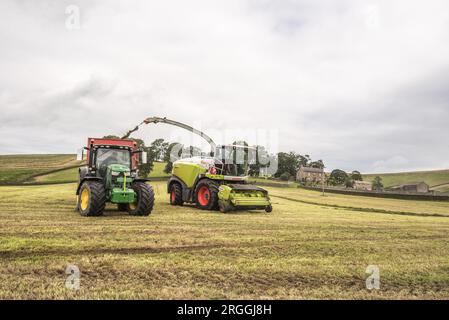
(212, 170)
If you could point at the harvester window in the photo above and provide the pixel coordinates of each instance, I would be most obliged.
(235, 160)
(106, 157)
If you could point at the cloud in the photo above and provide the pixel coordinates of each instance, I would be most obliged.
(352, 83)
(393, 163)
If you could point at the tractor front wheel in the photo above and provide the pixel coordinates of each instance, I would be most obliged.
(206, 195)
(91, 199)
(144, 200)
(176, 195)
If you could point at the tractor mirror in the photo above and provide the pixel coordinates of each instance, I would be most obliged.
(80, 154)
(144, 158)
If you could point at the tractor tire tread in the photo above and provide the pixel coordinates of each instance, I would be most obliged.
(97, 199)
(177, 188)
(145, 201)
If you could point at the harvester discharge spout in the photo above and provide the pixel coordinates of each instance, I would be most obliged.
(157, 120)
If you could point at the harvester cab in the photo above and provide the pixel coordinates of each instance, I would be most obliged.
(233, 160)
(111, 175)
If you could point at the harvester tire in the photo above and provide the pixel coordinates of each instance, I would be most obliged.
(144, 200)
(206, 195)
(268, 209)
(176, 195)
(92, 199)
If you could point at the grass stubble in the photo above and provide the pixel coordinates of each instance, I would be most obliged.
(317, 250)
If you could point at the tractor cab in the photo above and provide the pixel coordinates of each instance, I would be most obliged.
(117, 158)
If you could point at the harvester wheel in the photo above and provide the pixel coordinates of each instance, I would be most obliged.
(268, 209)
(206, 195)
(176, 195)
(144, 200)
(92, 199)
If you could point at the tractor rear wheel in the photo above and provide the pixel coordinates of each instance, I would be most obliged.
(176, 195)
(206, 195)
(144, 200)
(92, 199)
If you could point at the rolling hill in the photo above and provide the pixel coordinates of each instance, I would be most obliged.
(20, 168)
(438, 180)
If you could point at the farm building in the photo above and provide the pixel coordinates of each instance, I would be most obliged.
(363, 185)
(308, 175)
(420, 187)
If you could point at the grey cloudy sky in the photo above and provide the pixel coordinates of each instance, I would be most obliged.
(361, 84)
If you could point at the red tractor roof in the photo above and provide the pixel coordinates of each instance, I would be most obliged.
(112, 142)
(91, 142)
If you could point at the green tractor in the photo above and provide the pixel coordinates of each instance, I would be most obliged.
(216, 183)
(111, 176)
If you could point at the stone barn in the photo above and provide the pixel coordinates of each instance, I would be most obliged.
(416, 187)
(363, 185)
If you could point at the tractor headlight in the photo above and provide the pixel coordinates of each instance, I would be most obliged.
(115, 174)
(126, 174)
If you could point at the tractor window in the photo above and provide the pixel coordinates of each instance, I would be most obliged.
(106, 157)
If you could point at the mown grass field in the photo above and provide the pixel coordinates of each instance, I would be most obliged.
(365, 204)
(300, 250)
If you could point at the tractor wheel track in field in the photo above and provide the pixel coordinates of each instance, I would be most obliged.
(366, 210)
(102, 251)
